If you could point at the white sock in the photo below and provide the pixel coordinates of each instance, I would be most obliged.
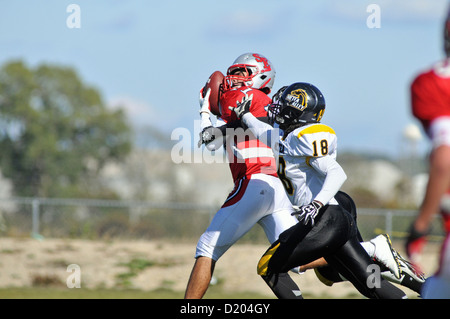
(369, 248)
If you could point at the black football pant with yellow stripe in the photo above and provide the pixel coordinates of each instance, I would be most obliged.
(334, 237)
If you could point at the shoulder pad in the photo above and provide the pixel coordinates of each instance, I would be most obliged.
(313, 140)
(314, 128)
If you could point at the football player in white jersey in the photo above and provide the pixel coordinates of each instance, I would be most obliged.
(312, 178)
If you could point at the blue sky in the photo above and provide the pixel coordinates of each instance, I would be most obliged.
(154, 56)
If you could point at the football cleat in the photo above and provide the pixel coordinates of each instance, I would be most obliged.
(405, 280)
(410, 276)
(409, 269)
(385, 254)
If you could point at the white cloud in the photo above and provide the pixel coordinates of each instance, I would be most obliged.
(391, 10)
(410, 10)
(139, 113)
(243, 23)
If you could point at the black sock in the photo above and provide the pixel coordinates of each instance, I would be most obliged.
(283, 286)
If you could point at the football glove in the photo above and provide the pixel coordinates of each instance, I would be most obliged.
(206, 136)
(242, 107)
(307, 213)
(415, 242)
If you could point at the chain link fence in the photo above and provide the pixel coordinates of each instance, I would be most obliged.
(107, 219)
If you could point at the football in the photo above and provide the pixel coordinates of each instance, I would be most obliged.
(215, 84)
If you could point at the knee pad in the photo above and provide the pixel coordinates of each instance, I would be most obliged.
(328, 276)
(323, 279)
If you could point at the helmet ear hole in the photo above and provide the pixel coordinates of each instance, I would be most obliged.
(265, 90)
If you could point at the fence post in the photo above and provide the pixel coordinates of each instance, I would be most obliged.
(35, 218)
(388, 223)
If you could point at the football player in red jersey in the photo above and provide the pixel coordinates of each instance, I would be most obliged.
(258, 196)
(430, 99)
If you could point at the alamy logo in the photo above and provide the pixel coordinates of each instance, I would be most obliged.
(374, 279)
(374, 19)
(74, 279)
(73, 21)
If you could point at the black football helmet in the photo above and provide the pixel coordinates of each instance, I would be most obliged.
(299, 103)
(273, 108)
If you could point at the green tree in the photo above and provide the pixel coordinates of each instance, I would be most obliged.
(55, 131)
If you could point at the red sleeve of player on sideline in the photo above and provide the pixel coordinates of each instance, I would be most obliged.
(428, 97)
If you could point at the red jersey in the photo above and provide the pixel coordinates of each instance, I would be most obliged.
(246, 154)
(430, 94)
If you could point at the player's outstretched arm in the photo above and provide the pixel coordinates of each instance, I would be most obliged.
(334, 177)
(258, 127)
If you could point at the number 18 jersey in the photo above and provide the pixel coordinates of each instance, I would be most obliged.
(302, 176)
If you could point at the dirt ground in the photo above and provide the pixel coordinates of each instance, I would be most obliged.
(160, 264)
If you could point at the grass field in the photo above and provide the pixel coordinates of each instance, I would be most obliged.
(61, 293)
(140, 269)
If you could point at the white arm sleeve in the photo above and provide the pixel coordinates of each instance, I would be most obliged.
(205, 120)
(261, 130)
(334, 177)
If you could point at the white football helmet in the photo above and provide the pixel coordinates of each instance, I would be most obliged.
(260, 72)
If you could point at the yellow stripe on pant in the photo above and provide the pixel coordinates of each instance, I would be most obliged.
(263, 263)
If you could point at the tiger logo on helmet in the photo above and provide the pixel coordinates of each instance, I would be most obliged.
(298, 99)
